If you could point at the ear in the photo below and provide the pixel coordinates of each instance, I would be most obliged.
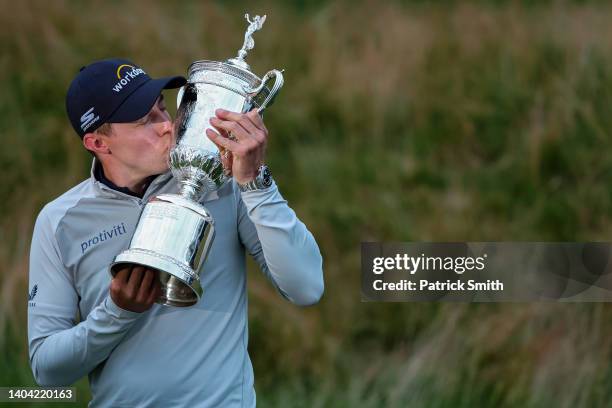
(96, 143)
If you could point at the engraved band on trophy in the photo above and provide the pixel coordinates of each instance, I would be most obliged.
(174, 233)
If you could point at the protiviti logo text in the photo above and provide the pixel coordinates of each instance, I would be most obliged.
(103, 235)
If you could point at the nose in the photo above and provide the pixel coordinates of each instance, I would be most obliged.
(163, 121)
(167, 127)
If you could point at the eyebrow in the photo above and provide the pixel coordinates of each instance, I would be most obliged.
(144, 118)
(160, 101)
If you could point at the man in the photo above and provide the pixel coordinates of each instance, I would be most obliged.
(136, 352)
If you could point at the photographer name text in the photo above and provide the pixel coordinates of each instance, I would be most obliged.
(413, 264)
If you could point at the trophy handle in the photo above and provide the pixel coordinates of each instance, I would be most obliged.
(278, 84)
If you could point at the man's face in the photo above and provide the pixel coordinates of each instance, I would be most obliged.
(142, 147)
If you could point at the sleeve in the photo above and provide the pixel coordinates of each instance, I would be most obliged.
(60, 351)
(281, 244)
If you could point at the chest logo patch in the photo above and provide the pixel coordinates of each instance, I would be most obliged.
(103, 235)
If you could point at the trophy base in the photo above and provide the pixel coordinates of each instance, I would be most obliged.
(180, 285)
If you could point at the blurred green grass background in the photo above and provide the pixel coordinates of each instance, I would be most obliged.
(399, 121)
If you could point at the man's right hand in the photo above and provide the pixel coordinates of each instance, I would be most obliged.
(135, 288)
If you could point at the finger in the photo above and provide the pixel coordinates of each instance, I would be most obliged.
(257, 120)
(145, 285)
(155, 282)
(253, 115)
(155, 291)
(152, 297)
(134, 282)
(222, 141)
(250, 121)
(259, 135)
(221, 148)
(228, 115)
(232, 127)
(224, 133)
(247, 123)
(227, 160)
(123, 274)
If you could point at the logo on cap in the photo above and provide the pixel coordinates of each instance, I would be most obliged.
(88, 119)
(129, 72)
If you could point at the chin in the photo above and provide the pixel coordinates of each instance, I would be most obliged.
(159, 167)
(165, 160)
(164, 168)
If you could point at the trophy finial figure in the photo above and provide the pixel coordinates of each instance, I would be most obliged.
(255, 24)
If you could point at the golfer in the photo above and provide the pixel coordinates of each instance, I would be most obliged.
(136, 352)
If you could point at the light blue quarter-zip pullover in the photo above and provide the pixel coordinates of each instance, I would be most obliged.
(167, 356)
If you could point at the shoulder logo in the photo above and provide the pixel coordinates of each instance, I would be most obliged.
(88, 119)
(32, 295)
(33, 292)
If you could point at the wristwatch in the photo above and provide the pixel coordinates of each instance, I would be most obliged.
(262, 181)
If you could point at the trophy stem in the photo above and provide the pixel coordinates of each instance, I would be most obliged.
(190, 190)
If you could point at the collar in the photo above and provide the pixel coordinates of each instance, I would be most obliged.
(98, 173)
(106, 186)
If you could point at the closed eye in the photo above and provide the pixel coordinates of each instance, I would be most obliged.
(160, 103)
(143, 120)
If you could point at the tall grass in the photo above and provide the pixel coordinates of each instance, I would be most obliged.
(398, 122)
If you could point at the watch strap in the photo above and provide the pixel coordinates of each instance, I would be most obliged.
(262, 181)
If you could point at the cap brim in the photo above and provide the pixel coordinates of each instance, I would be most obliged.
(140, 102)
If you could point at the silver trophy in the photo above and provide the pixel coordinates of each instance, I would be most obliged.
(175, 232)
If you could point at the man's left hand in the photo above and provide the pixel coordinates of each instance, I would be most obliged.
(245, 136)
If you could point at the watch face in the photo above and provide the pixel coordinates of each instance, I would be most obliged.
(266, 177)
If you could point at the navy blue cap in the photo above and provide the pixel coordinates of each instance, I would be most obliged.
(113, 91)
